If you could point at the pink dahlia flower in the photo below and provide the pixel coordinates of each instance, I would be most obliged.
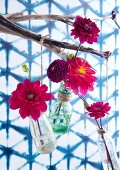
(98, 109)
(85, 30)
(80, 76)
(30, 98)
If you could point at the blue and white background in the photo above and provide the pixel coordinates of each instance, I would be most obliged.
(76, 150)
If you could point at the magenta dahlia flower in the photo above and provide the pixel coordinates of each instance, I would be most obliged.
(98, 109)
(57, 70)
(30, 98)
(85, 30)
(80, 76)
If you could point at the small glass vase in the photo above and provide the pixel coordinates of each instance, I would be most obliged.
(60, 114)
(107, 152)
(42, 135)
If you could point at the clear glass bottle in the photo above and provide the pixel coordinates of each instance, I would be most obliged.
(60, 114)
(43, 135)
(103, 152)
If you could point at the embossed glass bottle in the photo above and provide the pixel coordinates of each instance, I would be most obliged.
(111, 151)
(42, 135)
(60, 115)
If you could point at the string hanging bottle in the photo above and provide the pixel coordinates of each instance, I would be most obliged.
(60, 114)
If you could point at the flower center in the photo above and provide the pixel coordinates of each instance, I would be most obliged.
(31, 96)
(81, 70)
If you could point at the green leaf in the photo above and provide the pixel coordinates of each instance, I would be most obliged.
(70, 56)
(25, 68)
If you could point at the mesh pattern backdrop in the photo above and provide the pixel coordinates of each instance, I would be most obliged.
(77, 149)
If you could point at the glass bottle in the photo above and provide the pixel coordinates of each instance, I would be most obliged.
(60, 114)
(42, 135)
(111, 152)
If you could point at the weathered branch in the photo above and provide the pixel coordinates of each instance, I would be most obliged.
(15, 17)
(12, 28)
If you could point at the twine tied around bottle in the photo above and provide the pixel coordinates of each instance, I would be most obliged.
(64, 97)
(101, 131)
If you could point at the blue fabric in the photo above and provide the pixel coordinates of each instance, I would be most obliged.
(76, 150)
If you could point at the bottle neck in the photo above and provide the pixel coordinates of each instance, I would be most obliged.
(64, 94)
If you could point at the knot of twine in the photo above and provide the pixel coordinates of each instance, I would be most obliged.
(101, 131)
(42, 39)
(61, 51)
(64, 97)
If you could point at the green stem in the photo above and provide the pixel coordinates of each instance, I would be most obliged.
(29, 75)
(85, 102)
(107, 151)
(58, 108)
(98, 124)
(101, 123)
(40, 132)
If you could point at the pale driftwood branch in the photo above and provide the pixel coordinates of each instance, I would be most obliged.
(15, 17)
(51, 44)
(12, 15)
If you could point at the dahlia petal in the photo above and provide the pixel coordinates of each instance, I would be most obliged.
(35, 114)
(24, 112)
(78, 18)
(36, 83)
(27, 82)
(43, 107)
(19, 86)
(47, 97)
(43, 88)
(83, 91)
(15, 93)
(18, 90)
(14, 103)
(74, 33)
(28, 85)
(75, 90)
(36, 106)
(106, 105)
